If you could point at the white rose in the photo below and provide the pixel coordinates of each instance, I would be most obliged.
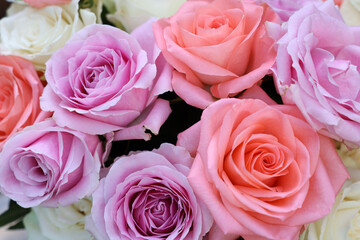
(350, 11)
(59, 223)
(36, 33)
(96, 7)
(343, 222)
(132, 13)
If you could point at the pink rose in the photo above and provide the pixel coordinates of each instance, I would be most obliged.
(49, 166)
(285, 8)
(44, 3)
(20, 89)
(218, 48)
(106, 80)
(262, 171)
(318, 69)
(146, 196)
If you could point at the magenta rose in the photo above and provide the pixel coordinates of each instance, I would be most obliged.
(49, 165)
(146, 196)
(318, 69)
(105, 80)
(261, 169)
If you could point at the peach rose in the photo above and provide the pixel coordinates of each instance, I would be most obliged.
(218, 48)
(20, 89)
(261, 169)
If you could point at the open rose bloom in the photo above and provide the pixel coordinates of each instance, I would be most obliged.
(146, 196)
(49, 166)
(218, 48)
(262, 171)
(319, 70)
(20, 89)
(180, 119)
(106, 80)
(35, 34)
(66, 222)
(131, 14)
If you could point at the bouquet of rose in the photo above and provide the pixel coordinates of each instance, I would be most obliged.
(198, 119)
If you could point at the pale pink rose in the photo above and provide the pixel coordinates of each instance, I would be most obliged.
(285, 8)
(20, 89)
(146, 196)
(261, 169)
(44, 3)
(48, 165)
(106, 80)
(218, 48)
(318, 69)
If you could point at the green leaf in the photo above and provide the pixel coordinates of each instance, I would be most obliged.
(15, 212)
(86, 3)
(18, 225)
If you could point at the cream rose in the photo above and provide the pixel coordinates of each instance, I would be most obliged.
(59, 223)
(94, 6)
(130, 14)
(350, 11)
(350, 158)
(36, 33)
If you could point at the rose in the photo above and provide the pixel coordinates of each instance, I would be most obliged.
(262, 168)
(319, 71)
(44, 3)
(106, 80)
(95, 6)
(36, 33)
(350, 157)
(218, 48)
(49, 166)
(350, 11)
(131, 14)
(59, 223)
(147, 196)
(20, 89)
(285, 8)
(344, 220)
